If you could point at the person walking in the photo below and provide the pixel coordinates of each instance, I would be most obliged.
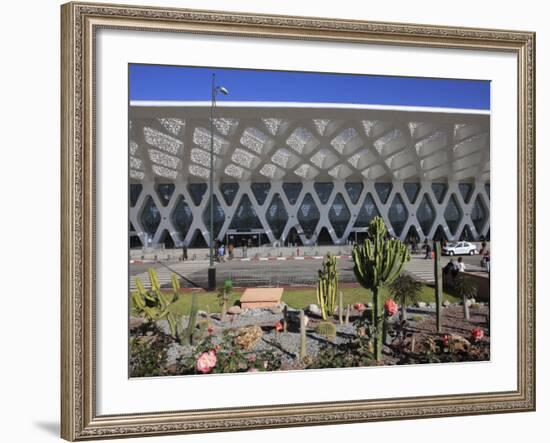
(428, 249)
(461, 267)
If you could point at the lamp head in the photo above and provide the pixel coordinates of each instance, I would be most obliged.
(223, 90)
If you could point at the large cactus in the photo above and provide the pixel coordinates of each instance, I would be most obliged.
(378, 262)
(327, 286)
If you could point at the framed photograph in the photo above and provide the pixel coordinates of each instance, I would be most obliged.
(277, 221)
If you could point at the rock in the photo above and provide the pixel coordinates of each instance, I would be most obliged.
(369, 305)
(276, 310)
(136, 322)
(420, 304)
(234, 310)
(469, 303)
(202, 313)
(314, 309)
(446, 303)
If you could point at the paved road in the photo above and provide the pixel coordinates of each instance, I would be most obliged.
(274, 272)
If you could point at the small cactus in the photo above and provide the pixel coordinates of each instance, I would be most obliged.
(192, 319)
(175, 288)
(327, 286)
(326, 328)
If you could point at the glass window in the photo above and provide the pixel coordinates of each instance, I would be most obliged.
(479, 214)
(425, 215)
(453, 214)
(135, 191)
(411, 189)
(150, 217)
(260, 191)
(229, 192)
(219, 217)
(245, 217)
(367, 212)
(197, 191)
(165, 191)
(182, 217)
(354, 191)
(398, 215)
(323, 190)
(383, 190)
(466, 191)
(277, 216)
(292, 191)
(439, 190)
(339, 215)
(308, 215)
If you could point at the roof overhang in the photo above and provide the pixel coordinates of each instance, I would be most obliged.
(265, 141)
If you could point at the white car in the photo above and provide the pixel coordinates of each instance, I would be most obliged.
(458, 248)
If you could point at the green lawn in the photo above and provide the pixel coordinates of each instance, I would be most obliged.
(296, 298)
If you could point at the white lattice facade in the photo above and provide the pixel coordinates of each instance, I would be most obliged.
(307, 175)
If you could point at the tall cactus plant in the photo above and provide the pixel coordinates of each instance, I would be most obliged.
(438, 274)
(327, 286)
(378, 262)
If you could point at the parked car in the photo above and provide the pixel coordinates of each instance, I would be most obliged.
(458, 248)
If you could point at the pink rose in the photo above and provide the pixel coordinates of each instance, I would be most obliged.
(278, 326)
(251, 358)
(390, 307)
(477, 334)
(359, 307)
(206, 361)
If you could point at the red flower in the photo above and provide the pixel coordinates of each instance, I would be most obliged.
(279, 326)
(390, 307)
(477, 334)
(210, 329)
(359, 307)
(445, 340)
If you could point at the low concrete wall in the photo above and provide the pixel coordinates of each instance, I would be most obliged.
(481, 280)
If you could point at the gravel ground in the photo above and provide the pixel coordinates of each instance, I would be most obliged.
(421, 321)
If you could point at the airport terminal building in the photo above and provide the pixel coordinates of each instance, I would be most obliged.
(305, 173)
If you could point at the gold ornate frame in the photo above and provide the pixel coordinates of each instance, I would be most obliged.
(79, 420)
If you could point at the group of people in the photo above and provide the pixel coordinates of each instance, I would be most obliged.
(453, 268)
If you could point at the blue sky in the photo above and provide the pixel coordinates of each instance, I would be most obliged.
(178, 83)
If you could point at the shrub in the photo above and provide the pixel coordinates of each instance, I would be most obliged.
(148, 356)
(407, 291)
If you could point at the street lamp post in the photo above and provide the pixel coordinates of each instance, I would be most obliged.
(211, 268)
